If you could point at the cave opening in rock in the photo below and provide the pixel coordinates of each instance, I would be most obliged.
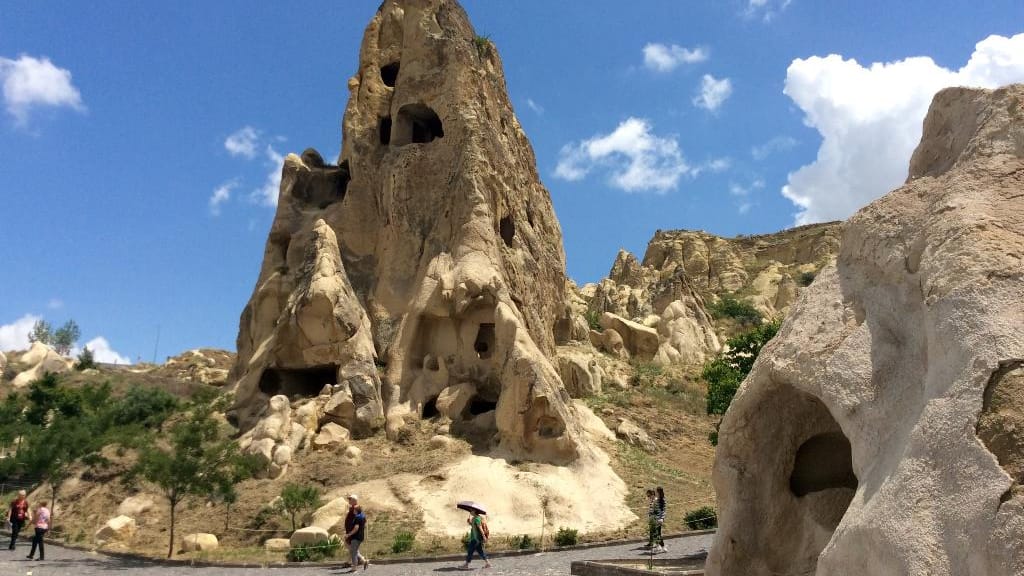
(478, 406)
(484, 343)
(385, 130)
(507, 229)
(389, 74)
(430, 409)
(297, 382)
(417, 124)
(821, 463)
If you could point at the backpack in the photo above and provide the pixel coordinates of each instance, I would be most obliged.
(484, 531)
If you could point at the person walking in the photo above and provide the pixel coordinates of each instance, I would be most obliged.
(659, 520)
(355, 532)
(17, 516)
(42, 523)
(652, 518)
(477, 536)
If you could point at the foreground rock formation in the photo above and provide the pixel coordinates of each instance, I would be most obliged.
(881, 431)
(424, 270)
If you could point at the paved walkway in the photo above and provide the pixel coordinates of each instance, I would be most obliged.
(65, 562)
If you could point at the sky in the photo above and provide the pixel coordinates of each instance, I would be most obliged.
(142, 142)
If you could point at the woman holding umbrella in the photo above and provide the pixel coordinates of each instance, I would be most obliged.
(478, 533)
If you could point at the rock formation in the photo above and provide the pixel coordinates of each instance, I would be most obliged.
(881, 431)
(427, 263)
(41, 360)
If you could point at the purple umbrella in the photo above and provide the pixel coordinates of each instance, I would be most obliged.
(471, 507)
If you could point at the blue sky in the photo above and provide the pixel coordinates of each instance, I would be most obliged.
(723, 115)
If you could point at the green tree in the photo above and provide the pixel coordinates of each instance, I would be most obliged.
(85, 360)
(65, 337)
(147, 407)
(726, 372)
(740, 310)
(196, 461)
(41, 332)
(297, 499)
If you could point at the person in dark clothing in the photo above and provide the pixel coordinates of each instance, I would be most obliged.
(659, 519)
(17, 516)
(355, 532)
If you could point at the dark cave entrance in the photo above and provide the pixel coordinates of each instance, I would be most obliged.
(297, 382)
(389, 74)
(430, 409)
(417, 124)
(385, 130)
(822, 462)
(484, 343)
(507, 229)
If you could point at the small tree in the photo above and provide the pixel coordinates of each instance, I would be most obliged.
(85, 360)
(195, 462)
(297, 499)
(726, 372)
(65, 337)
(41, 332)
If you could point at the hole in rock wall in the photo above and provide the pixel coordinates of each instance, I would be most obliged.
(430, 409)
(507, 229)
(484, 343)
(297, 382)
(323, 187)
(478, 406)
(385, 130)
(417, 124)
(389, 74)
(821, 463)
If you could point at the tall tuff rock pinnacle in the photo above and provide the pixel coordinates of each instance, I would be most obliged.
(427, 262)
(881, 431)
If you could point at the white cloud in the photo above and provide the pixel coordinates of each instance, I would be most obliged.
(870, 120)
(55, 304)
(766, 10)
(267, 194)
(719, 164)
(220, 195)
(635, 158)
(32, 82)
(243, 142)
(534, 106)
(776, 144)
(102, 352)
(14, 336)
(742, 194)
(665, 58)
(713, 93)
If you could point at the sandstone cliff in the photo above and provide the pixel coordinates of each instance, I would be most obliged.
(880, 432)
(425, 267)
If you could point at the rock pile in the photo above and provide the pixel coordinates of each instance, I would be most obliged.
(880, 432)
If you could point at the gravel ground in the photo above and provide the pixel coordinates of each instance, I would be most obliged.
(62, 561)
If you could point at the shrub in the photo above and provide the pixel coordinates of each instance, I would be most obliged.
(147, 407)
(567, 537)
(593, 318)
(806, 278)
(315, 552)
(646, 373)
(740, 310)
(483, 45)
(402, 542)
(703, 518)
(522, 542)
(296, 499)
(725, 373)
(85, 360)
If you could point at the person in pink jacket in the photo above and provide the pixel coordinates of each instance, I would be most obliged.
(42, 522)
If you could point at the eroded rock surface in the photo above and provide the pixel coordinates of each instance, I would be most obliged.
(428, 257)
(877, 434)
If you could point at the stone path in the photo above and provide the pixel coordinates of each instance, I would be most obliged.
(65, 562)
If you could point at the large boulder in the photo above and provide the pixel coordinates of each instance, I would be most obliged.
(277, 545)
(579, 371)
(135, 506)
(639, 340)
(199, 542)
(880, 431)
(41, 360)
(117, 530)
(308, 536)
(429, 256)
(686, 334)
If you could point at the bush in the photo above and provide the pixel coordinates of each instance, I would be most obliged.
(703, 518)
(147, 407)
(806, 278)
(567, 537)
(593, 318)
(725, 373)
(483, 45)
(402, 542)
(646, 373)
(523, 542)
(296, 499)
(740, 310)
(315, 552)
(85, 360)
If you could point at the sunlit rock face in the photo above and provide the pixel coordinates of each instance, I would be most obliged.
(881, 431)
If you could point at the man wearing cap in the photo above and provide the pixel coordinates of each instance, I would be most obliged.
(355, 532)
(18, 515)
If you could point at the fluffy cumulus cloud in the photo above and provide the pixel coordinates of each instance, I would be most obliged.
(634, 158)
(665, 58)
(14, 336)
(102, 352)
(30, 83)
(870, 118)
(243, 142)
(713, 93)
(221, 194)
